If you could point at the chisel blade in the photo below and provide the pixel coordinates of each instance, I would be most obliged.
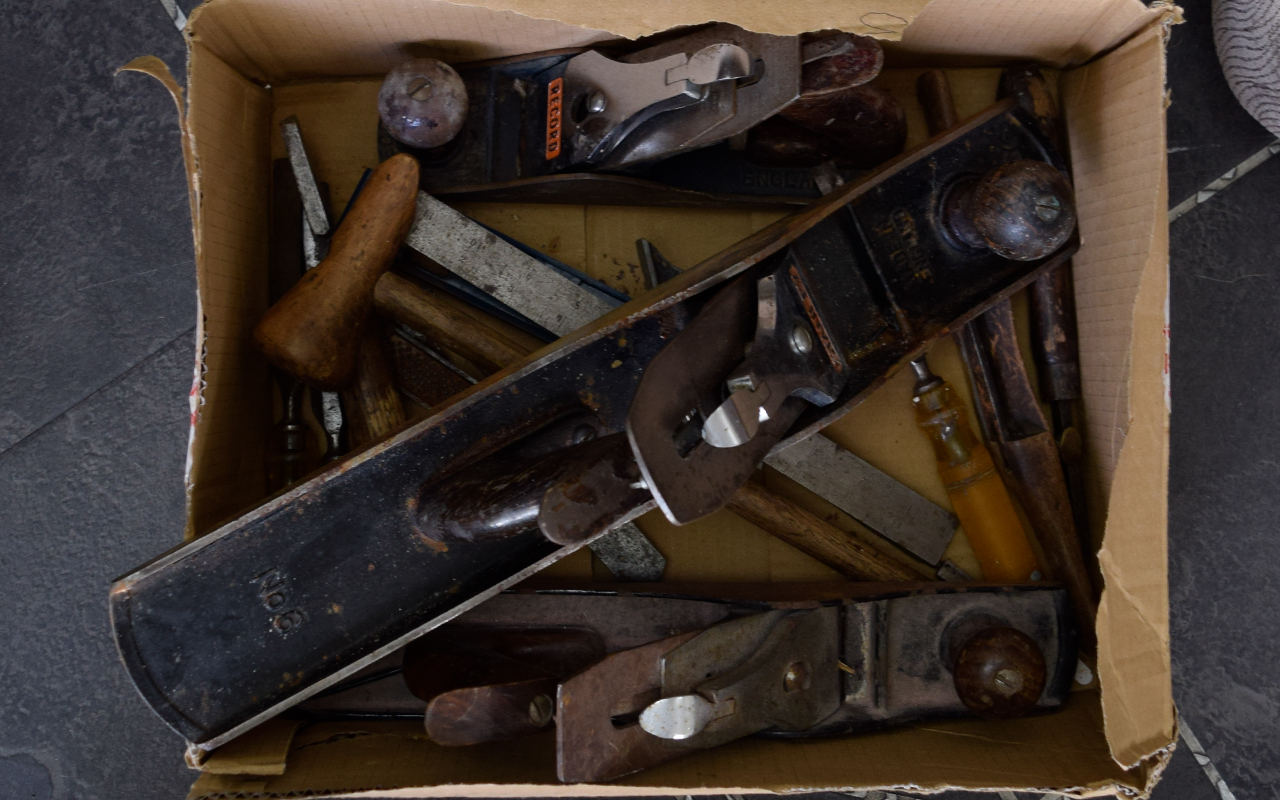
(868, 495)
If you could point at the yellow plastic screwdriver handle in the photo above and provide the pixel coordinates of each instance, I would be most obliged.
(978, 495)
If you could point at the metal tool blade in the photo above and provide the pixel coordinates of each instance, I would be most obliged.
(868, 495)
(307, 186)
(464, 247)
(629, 554)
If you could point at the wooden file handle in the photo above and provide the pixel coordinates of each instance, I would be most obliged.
(314, 333)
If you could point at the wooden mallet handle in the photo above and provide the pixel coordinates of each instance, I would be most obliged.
(314, 333)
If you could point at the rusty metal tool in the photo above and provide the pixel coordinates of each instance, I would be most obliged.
(882, 504)
(913, 653)
(1013, 422)
(665, 125)
(798, 671)
(1055, 342)
(885, 279)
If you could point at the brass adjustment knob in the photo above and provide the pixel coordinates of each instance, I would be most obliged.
(423, 103)
(999, 673)
(1023, 210)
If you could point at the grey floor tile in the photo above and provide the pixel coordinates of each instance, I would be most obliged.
(1209, 132)
(90, 496)
(1184, 779)
(1223, 498)
(97, 271)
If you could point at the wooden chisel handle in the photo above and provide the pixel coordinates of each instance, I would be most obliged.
(815, 536)
(1031, 459)
(314, 333)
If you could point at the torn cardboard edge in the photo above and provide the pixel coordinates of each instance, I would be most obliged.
(156, 68)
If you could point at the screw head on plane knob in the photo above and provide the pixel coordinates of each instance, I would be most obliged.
(999, 673)
(423, 103)
(1022, 210)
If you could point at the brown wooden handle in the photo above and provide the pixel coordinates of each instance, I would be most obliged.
(933, 90)
(373, 406)
(1026, 85)
(315, 331)
(1031, 464)
(1054, 341)
(815, 536)
(1041, 489)
(487, 342)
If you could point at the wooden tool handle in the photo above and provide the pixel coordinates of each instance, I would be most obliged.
(1031, 460)
(1054, 341)
(815, 536)
(933, 89)
(487, 342)
(315, 331)
(373, 406)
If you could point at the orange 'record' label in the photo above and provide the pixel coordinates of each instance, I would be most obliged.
(555, 101)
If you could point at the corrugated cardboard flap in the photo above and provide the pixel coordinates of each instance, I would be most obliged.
(1116, 126)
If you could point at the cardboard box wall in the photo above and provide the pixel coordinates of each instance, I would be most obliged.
(254, 61)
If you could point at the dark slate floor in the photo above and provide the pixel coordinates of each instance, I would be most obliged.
(97, 304)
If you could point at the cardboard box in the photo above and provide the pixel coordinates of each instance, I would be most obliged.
(252, 62)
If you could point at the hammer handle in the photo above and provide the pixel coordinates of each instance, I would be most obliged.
(486, 342)
(315, 331)
(373, 406)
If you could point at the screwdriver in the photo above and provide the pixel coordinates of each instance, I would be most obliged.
(978, 495)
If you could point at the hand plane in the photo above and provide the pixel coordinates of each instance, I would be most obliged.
(623, 129)
(758, 346)
(631, 678)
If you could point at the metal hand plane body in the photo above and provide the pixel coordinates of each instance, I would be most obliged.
(812, 669)
(290, 598)
(590, 127)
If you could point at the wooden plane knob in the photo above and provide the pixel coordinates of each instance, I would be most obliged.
(423, 103)
(1022, 210)
(314, 332)
(1000, 673)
